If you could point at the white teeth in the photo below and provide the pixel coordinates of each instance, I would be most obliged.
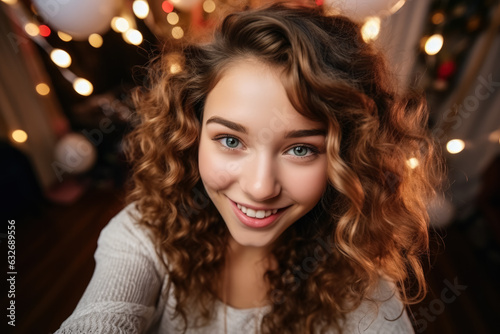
(256, 213)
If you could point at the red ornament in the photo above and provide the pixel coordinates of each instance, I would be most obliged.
(446, 69)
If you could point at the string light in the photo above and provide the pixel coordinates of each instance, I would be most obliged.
(61, 58)
(44, 30)
(119, 24)
(32, 29)
(209, 6)
(83, 86)
(95, 40)
(167, 6)
(133, 36)
(433, 44)
(455, 146)
(412, 163)
(64, 37)
(173, 18)
(140, 8)
(370, 29)
(177, 32)
(42, 89)
(19, 136)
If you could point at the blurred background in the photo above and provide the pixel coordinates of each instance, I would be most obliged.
(67, 68)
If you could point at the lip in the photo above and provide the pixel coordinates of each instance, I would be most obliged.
(256, 222)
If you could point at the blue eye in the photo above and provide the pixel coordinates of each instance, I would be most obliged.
(301, 151)
(230, 142)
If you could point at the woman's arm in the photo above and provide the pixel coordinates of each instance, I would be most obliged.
(122, 294)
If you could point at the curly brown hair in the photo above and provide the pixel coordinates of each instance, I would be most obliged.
(373, 213)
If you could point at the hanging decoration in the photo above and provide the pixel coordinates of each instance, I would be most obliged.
(78, 18)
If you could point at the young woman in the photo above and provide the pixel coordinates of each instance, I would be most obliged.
(271, 190)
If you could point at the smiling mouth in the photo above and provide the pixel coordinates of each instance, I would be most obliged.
(256, 213)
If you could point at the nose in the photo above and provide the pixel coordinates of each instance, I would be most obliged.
(259, 179)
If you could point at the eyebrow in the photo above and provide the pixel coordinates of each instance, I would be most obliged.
(240, 128)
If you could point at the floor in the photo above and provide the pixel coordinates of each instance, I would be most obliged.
(55, 249)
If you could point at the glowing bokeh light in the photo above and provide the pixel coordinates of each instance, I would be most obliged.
(173, 18)
(42, 88)
(61, 58)
(370, 29)
(167, 6)
(412, 163)
(209, 6)
(19, 136)
(455, 146)
(31, 29)
(177, 32)
(140, 8)
(83, 87)
(95, 40)
(119, 24)
(64, 36)
(433, 44)
(44, 30)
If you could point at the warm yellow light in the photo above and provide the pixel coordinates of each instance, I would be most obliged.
(433, 44)
(370, 29)
(173, 18)
(64, 37)
(95, 40)
(437, 17)
(175, 68)
(133, 37)
(83, 87)
(31, 29)
(10, 2)
(177, 32)
(455, 146)
(19, 136)
(412, 163)
(119, 24)
(209, 6)
(61, 58)
(42, 88)
(140, 8)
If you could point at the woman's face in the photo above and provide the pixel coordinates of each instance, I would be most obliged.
(262, 163)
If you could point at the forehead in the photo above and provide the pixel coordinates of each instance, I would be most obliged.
(252, 93)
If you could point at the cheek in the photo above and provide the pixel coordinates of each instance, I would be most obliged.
(307, 185)
(216, 171)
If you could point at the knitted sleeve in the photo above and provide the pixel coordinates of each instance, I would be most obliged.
(122, 294)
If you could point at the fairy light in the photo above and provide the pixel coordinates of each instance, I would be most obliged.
(167, 6)
(412, 163)
(175, 68)
(433, 44)
(95, 40)
(177, 32)
(32, 29)
(64, 36)
(173, 18)
(133, 36)
(42, 89)
(209, 6)
(44, 30)
(370, 29)
(140, 8)
(119, 24)
(61, 58)
(19, 136)
(437, 18)
(455, 146)
(83, 86)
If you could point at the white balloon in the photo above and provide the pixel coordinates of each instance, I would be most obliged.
(75, 153)
(78, 18)
(184, 4)
(359, 10)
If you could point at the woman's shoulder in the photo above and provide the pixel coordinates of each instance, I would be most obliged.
(382, 312)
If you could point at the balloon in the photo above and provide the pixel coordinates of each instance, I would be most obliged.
(359, 10)
(185, 5)
(75, 153)
(78, 18)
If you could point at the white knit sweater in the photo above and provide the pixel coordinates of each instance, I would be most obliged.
(125, 294)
